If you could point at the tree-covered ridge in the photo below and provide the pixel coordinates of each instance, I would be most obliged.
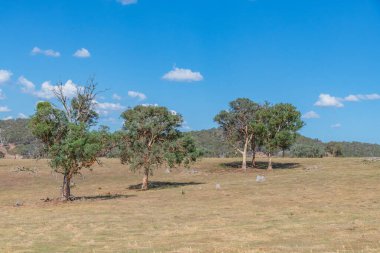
(17, 138)
(213, 145)
(16, 131)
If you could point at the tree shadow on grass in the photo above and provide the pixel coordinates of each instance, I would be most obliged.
(163, 185)
(104, 197)
(261, 165)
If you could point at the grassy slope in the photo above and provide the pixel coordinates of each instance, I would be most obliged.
(332, 206)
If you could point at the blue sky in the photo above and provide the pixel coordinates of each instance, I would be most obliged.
(194, 56)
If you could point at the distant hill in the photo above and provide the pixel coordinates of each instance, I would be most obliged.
(211, 141)
(16, 138)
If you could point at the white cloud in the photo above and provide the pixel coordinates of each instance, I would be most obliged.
(359, 97)
(22, 116)
(4, 109)
(8, 118)
(109, 106)
(183, 75)
(70, 89)
(146, 105)
(47, 52)
(105, 108)
(27, 86)
(127, 2)
(116, 96)
(5, 76)
(311, 115)
(46, 91)
(337, 125)
(326, 100)
(82, 53)
(351, 98)
(136, 94)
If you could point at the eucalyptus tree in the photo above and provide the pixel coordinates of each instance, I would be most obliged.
(238, 124)
(66, 134)
(285, 140)
(151, 139)
(275, 124)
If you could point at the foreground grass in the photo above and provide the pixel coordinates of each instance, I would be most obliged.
(306, 205)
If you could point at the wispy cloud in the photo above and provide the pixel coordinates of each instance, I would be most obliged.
(8, 118)
(127, 2)
(311, 115)
(4, 109)
(183, 75)
(5, 76)
(116, 96)
(337, 125)
(82, 53)
(326, 100)
(155, 105)
(105, 108)
(359, 97)
(136, 94)
(22, 116)
(47, 52)
(27, 86)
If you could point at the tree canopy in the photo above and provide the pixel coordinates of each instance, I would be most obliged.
(238, 125)
(66, 134)
(277, 126)
(152, 139)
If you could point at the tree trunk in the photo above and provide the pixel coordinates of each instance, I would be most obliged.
(254, 159)
(283, 153)
(66, 188)
(244, 164)
(253, 147)
(145, 181)
(269, 162)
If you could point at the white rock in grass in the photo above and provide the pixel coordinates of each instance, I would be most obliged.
(260, 179)
(218, 187)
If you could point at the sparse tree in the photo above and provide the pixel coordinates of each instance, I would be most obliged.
(151, 139)
(274, 123)
(66, 134)
(238, 125)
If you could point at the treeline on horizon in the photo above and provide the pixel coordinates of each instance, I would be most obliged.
(211, 141)
(213, 144)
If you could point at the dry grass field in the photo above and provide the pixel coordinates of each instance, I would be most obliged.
(304, 205)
